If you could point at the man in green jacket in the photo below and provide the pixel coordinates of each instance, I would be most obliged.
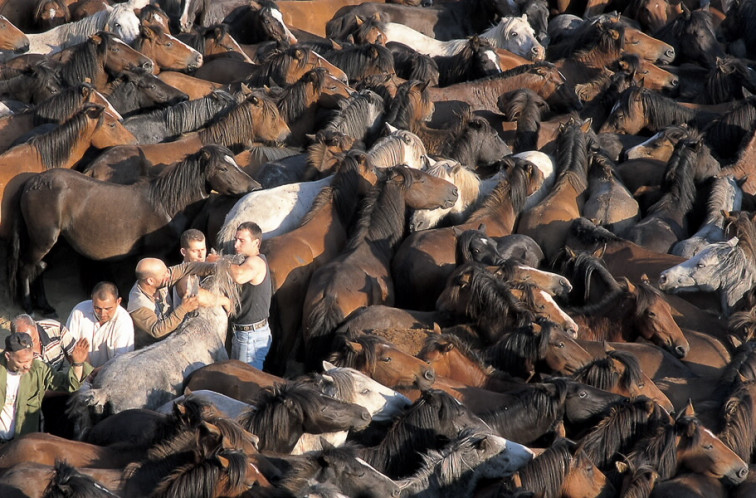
(24, 380)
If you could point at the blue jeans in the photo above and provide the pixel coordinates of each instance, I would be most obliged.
(251, 346)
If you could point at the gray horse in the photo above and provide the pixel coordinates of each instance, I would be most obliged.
(150, 377)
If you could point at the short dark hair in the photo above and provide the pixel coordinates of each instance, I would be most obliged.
(18, 341)
(104, 290)
(190, 235)
(253, 229)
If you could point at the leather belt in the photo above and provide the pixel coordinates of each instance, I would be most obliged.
(254, 326)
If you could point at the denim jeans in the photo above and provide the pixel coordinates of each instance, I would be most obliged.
(251, 346)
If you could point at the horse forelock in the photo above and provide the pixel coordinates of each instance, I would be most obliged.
(343, 381)
(198, 479)
(599, 373)
(61, 105)
(436, 341)
(632, 374)
(658, 450)
(738, 429)
(645, 297)
(55, 147)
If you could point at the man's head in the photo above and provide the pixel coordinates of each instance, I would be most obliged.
(25, 324)
(105, 301)
(193, 247)
(18, 352)
(152, 272)
(248, 239)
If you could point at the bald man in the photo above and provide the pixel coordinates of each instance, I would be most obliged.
(150, 304)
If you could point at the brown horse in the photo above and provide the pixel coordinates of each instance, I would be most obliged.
(232, 378)
(54, 204)
(12, 39)
(620, 372)
(294, 256)
(166, 51)
(46, 449)
(426, 258)
(382, 361)
(549, 221)
(60, 148)
(361, 275)
(255, 119)
(195, 88)
(213, 41)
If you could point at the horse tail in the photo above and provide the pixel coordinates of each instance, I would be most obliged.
(319, 325)
(18, 238)
(82, 404)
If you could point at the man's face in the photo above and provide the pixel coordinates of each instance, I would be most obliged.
(20, 362)
(105, 309)
(161, 277)
(245, 244)
(196, 252)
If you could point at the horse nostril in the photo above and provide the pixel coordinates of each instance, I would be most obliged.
(662, 279)
(455, 192)
(670, 53)
(429, 375)
(743, 472)
(674, 82)
(365, 416)
(680, 351)
(147, 65)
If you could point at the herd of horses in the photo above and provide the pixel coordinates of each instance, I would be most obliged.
(512, 243)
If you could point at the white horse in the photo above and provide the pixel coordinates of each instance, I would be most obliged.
(470, 189)
(277, 210)
(118, 19)
(545, 163)
(396, 148)
(510, 33)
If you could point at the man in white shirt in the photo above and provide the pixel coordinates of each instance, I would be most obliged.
(104, 323)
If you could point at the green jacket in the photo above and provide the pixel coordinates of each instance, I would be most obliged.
(32, 389)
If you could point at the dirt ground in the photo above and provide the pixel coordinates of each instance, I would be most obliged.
(62, 282)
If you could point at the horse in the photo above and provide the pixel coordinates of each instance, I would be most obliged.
(665, 223)
(469, 187)
(34, 85)
(644, 313)
(12, 39)
(213, 41)
(609, 202)
(686, 443)
(252, 24)
(359, 117)
(548, 222)
(477, 59)
(119, 20)
(458, 467)
(396, 148)
(60, 148)
(619, 372)
(294, 256)
(155, 220)
(562, 470)
(429, 273)
(358, 61)
(726, 267)
(281, 414)
(726, 195)
(166, 51)
(381, 361)
(161, 124)
(692, 35)
(330, 295)
(132, 92)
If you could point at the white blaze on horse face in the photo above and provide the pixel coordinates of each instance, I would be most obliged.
(101, 99)
(491, 55)
(279, 17)
(634, 152)
(569, 324)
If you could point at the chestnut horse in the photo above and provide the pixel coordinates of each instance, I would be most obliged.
(166, 51)
(62, 147)
(12, 39)
(66, 203)
(333, 292)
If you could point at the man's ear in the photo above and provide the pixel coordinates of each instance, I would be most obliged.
(118, 301)
(183, 252)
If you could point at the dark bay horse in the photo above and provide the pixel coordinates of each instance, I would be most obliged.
(333, 292)
(294, 256)
(419, 280)
(61, 202)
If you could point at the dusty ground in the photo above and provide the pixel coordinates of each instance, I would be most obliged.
(64, 288)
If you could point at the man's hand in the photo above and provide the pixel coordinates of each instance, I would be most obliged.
(190, 303)
(80, 351)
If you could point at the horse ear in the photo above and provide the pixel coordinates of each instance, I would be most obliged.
(376, 16)
(94, 111)
(688, 411)
(746, 93)
(359, 20)
(645, 279)
(482, 228)
(147, 32)
(457, 231)
(350, 39)
(622, 467)
(436, 328)
(96, 39)
(608, 347)
(354, 346)
(629, 285)
(299, 54)
(254, 100)
(373, 52)
(599, 252)
(224, 462)
(614, 34)
(328, 366)
(85, 91)
(445, 348)
(731, 406)
(336, 45)
(570, 252)
(391, 129)
(586, 126)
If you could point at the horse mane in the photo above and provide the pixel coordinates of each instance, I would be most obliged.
(661, 111)
(415, 66)
(512, 188)
(546, 472)
(388, 150)
(354, 60)
(344, 356)
(586, 232)
(276, 66)
(382, 216)
(293, 100)
(602, 374)
(625, 424)
(726, 133)
(572, 155)
(456, 67)
(435, 342)
(515, 350)
(678, 183)
(350, 118)
(726, 80)
(138, 43)
(738, 429)
(67, 481)
(409, 97)
(54, 147)
(201, 479)
(590, 35)
(81, 30)
(60, 106)
(179, 183)
(343, 191)
(85, 59)
(524, 106)
(581, 268)
(192, 114)
(237, 125)
(659, 449)
(519, 70)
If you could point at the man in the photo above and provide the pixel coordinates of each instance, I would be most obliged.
(151, 306)
(252, 337)
(193, 247)
(51, 342)
(24, 380)
(105, 324)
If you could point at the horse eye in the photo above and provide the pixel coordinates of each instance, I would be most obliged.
(700, 265)
(169, 44)
(641, 386)
(386, 359)
(560, 345)
(709, 447)
(583, 394)
(651, 314)
(365, 391)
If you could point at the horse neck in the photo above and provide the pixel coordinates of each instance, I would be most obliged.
(611, 319)
(386, 223)
(497, 213)
(172, 192)
(304, 95)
